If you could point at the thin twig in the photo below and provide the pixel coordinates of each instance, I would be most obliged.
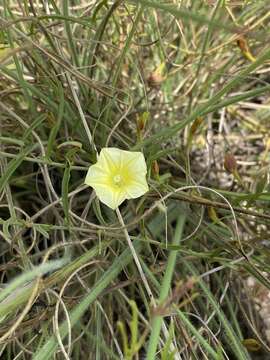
(215, 204)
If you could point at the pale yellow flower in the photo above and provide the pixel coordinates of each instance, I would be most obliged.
(118, 175)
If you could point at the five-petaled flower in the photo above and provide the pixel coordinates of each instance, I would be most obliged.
(118, 175)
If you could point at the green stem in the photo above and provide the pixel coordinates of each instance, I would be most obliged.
(164, 291)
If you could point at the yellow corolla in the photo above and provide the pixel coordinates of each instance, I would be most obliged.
(118, 175)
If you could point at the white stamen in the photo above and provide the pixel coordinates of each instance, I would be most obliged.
(117, 179)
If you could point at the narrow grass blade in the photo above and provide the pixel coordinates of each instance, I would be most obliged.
(30, 275)
(49, 348)
(164, 291)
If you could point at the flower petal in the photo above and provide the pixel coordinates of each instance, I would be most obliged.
(96, 175)
(135, 162)
(127, 166)
(110, 196)
(136, 188)
(110, 159)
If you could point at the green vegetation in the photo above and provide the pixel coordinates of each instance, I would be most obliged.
(168, 276)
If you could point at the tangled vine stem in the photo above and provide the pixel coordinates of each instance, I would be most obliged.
(145, 282)
(135, 257)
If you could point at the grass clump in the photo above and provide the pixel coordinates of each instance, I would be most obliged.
(187, 84)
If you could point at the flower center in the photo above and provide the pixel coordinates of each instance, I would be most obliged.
(117, 179)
